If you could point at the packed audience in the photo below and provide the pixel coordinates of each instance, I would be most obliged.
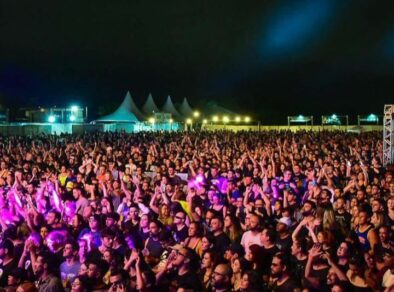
(196, 211)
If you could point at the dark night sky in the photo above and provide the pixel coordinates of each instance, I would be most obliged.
(264, 58)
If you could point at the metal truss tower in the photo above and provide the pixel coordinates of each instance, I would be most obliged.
(388, 134)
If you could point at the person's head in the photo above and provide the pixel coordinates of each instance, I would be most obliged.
(16, 277)
(111, 219)
(377, 206)
(94, 222)
(76, 221)
(344, 250)
(221, 276)
(109, 256)
(254, 223)
(107, 237)
(332, 277)
(340, 204)
(207, 260)
(44, 264)
(236, 265)
(154, 228)
(250, 281)
(363, 217)
(180, 218)
(308, 209)
(26, 287)
(96, 269)
(53, 217)
(83, 270)
(384, 234)
(369, 259)
(79, 284)
(283, 225)
(299, 247)
(279, 265)
(6, 249)
(377, 219)
(267, 236)
(390, 203)
(207, 242)
(185, 258)
(194, 230)
(77, 193)
(216, 224)
(116, 279)
(70, 249)
(356, 267)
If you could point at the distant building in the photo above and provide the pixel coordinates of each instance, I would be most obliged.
(73, 114)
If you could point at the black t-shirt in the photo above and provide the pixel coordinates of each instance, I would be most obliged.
(284, 244)
(289, 286)
(343, 220)
(180, 235)
(5, 270)
(173, 282)
(222, 242)
(298, 268)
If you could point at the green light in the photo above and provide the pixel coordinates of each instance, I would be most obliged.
(74, 108)
(51, 119)
(372, 118)
(334, 117)
(300, 118)
(72, 118)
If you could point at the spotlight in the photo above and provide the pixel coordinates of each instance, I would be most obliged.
(237, 119)
(247, 119)
(72, 118)
(188, 121)
(215, 119)
(74, 108)
(196, 114)
(51, 119)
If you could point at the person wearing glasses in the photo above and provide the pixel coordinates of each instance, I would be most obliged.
(180, 231)
(180, 271)
(221, 278)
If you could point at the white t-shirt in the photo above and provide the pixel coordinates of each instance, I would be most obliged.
(248, 239)
(388, 279)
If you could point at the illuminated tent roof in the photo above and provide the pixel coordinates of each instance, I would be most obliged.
(134, 108)
(185, 109)
(123, 114)
(150, 107)
(169, 107)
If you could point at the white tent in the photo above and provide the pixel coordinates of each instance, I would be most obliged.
(185, 109)
(169, 107)
(149, 108)
(123, 114)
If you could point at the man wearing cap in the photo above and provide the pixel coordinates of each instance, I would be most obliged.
(283, 240)
(252, 236)
(8, 261)
(180, 270)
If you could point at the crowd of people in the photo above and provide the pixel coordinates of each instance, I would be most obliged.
(196, 211)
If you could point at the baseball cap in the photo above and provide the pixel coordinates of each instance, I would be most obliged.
(285, 220)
